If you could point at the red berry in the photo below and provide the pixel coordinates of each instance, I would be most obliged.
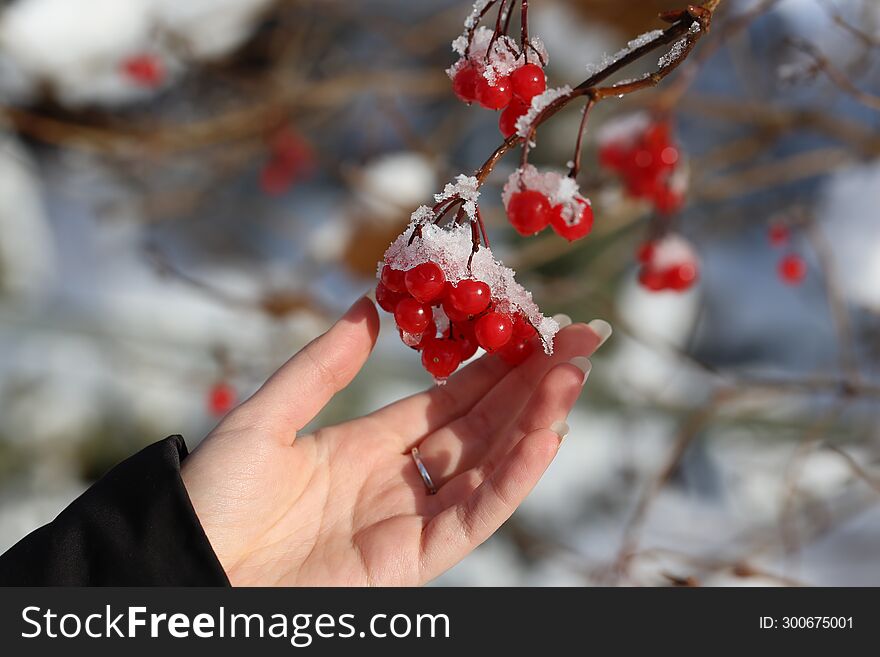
(508, 118)
(527, 82)
(792, 269)
(413, 316)
(221, 398)
(493, 330)
(441, 357)
(453, 313)
(464, 83)
(645, 253)
(652, 279)
(575, 231)
(668, 156)
(613, 155)
(276, 177)
(145, 70)
(423, 338)
(393, 279)
(778, 234)
(528, 212)
(426, 281)
(681, 277)
(387, 299)
(467, 344)
(516, 351)
(469, 297)
(667, 200)
(495, 96)
(522, 329)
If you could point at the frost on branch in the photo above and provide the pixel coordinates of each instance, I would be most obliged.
(638, 42)
(539, 103)
(466, 188)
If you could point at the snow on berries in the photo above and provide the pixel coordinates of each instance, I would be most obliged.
(669, 263)
(448, 299)
(642, 152)
(494, 72)
(536, 199)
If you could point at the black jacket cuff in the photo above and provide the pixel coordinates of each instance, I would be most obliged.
(134, 527)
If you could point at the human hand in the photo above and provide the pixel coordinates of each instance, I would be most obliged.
(345, 505)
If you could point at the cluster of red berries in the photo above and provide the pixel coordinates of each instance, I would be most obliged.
(145, 70)
(290, 158)
(792, 269)
(512, 93)
(221, 398)
(646, 162)
(670, 271)
(530, 211)
(474, 319)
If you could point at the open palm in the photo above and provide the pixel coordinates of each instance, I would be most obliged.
(345, 505)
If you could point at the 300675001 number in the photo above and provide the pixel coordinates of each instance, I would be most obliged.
(806, 622)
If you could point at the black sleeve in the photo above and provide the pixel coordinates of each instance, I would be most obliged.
(134, 527)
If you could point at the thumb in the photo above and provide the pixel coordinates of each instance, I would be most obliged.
(294, 394)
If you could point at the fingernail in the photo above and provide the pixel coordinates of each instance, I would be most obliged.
(563, 320)
(560, 428)
(583, 364)
(602, 329)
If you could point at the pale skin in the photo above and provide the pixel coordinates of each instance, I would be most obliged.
(345, 505)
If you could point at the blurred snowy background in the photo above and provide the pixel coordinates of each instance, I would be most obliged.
(189, 191)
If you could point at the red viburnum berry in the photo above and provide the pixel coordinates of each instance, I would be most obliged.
(494, 96)
(510, 115)
(681, 277)
(527, 82)
(413, 316)
(388, 299)
(467, 342)
(469, 297)
(441, 357)
(792, 269)
(652, 279)
(493, 330)
(645, 252)
(574, 231)
(221, 398)
(522, 330)
(516, 351)
(778, 234)
(426, 281)
(394, 279)
(464, 83)
(528, 212)
(146, 70)
(667, 200)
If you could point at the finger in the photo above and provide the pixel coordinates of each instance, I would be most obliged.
(427, 411)
(458, 529)
(304, 384)
(464, 443)
(423, 412)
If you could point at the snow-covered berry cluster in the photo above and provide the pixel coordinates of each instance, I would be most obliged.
(669, 263)
(535, 199)
(642, 152)
(494, 72)
(792, 269)
(449, 300)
